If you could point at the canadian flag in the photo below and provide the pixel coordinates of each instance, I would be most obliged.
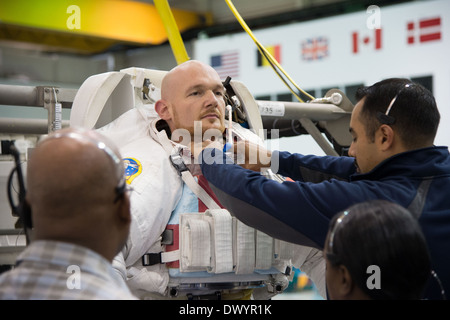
(359, 41)
(424, 30)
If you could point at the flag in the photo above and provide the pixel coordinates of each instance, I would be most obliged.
(424, 30)
(274, 50)
(226, 64)
(315, 49)
(358, 41)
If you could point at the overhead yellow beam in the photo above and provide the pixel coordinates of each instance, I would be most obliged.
(175, 40)
(124, 21)
(53, 41)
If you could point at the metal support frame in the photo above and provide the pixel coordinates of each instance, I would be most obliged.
(35, 96)
(324, 114)
(311, 128)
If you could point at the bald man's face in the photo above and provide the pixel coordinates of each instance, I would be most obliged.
(192, 93)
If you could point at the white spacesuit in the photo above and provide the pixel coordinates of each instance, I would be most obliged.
(211, 255)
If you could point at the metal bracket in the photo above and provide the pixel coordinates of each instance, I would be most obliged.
(53, 107)
(54, 99)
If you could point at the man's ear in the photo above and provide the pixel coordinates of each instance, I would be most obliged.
(162, 108)
(385, 137)
(346, 282)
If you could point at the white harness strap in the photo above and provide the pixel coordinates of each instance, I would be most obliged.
(264, 251)
(221, 229)
(201, 236)
(186, 175)
(195, 252)
(244, 247)
(195, 243)
(170, 256)
(198, 190)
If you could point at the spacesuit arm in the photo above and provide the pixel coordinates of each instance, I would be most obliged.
(291, 211)
(119, 266)
(312, 262)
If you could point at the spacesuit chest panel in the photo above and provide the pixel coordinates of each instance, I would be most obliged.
(189, 203)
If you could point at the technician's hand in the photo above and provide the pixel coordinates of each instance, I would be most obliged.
(251, 155)
(197, 147)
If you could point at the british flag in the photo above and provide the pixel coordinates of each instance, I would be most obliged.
(315, 49)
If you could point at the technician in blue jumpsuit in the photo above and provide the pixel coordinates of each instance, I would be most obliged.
(392, 157)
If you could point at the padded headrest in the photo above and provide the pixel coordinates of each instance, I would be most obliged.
(101, 99)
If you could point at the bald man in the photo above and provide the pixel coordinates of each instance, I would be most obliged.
(191, 107)
(192, 92)
(81, 220)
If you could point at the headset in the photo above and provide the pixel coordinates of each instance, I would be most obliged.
(22, 209)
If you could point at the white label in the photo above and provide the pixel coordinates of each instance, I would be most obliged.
(271, 108)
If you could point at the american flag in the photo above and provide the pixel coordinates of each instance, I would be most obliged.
(226, 64)
(315, 48)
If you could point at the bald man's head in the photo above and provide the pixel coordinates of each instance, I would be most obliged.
(73, 180)
(183, 73)
(69, 170)
(192, 92)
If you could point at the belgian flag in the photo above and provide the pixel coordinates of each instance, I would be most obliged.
(274, 50)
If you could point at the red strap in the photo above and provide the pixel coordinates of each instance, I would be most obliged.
(205, 185)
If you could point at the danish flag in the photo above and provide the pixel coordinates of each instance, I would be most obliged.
(425, 30)
(374, 41)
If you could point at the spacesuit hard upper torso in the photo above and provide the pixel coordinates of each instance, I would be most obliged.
(158, 196)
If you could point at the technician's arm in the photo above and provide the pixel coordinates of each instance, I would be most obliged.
(311, 168)
(295, 166)
(300, 206)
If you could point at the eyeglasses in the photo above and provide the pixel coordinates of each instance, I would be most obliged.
(333, 232)
(441, 287)
(121, 187)
(385, 118)
(121, 190)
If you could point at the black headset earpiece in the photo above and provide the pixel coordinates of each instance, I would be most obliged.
(22, 209)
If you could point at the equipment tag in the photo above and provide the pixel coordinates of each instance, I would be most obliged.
(271, 108)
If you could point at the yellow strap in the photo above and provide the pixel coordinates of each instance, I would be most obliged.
(266, 53)
(173, 34)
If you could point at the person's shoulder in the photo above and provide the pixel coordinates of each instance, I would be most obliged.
(130, 126)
